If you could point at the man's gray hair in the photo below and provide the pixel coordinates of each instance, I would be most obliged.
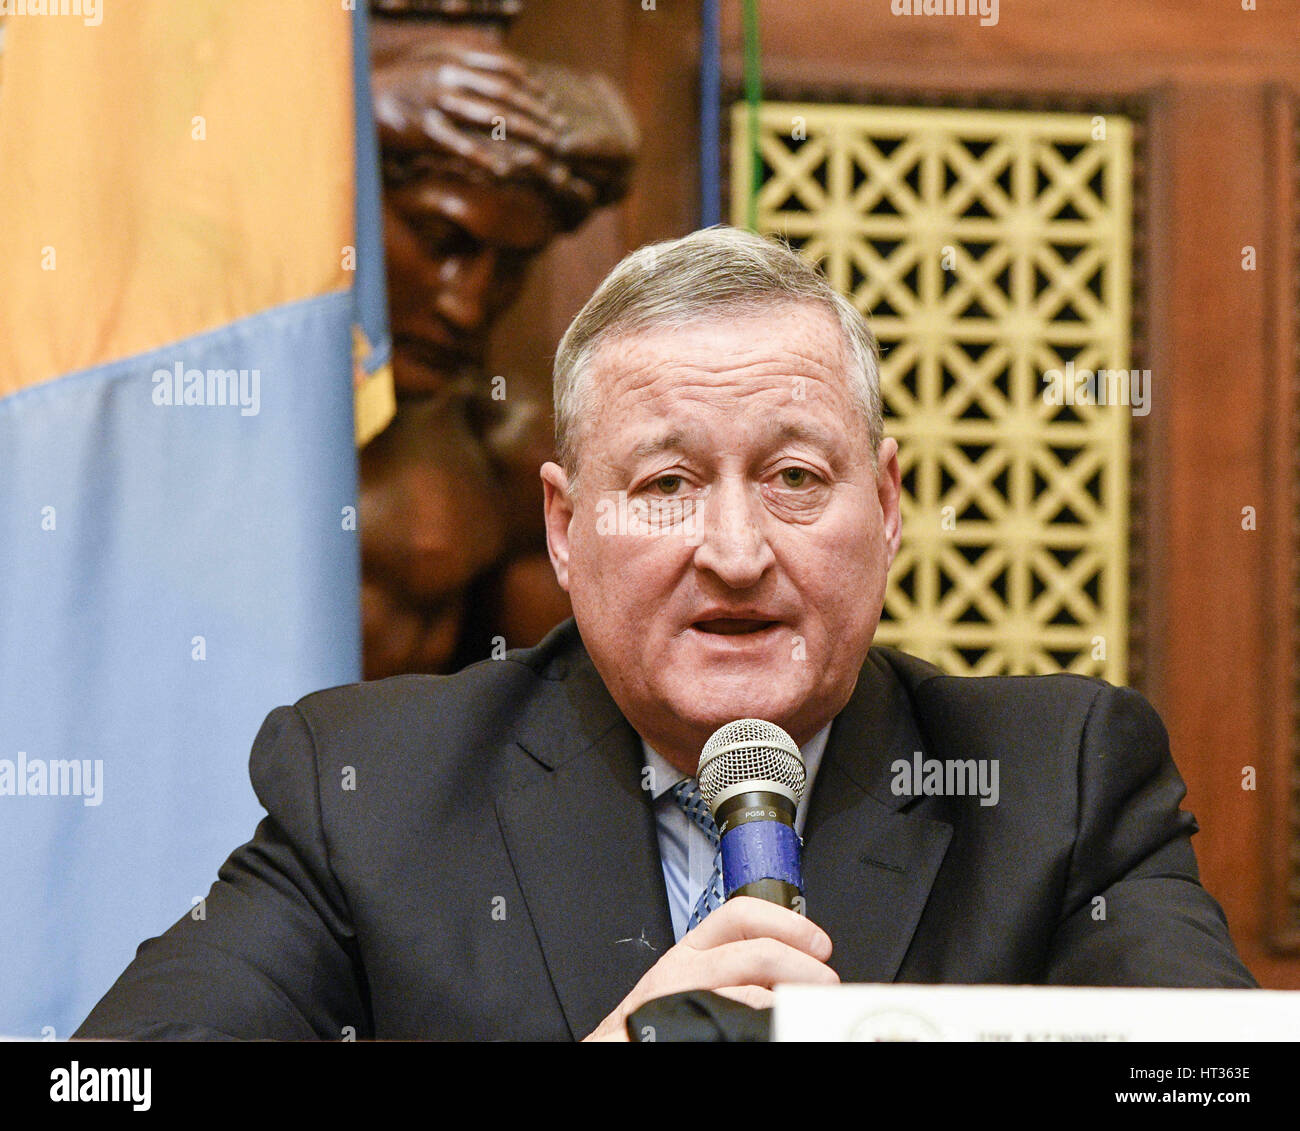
(711, 273)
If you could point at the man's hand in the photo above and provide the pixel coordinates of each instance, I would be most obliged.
(741, 951)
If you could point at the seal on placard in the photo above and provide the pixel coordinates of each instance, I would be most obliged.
(894, 1025)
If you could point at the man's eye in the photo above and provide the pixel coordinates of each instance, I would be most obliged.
(796, 477)
(668, 484)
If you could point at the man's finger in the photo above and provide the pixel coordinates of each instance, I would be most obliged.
(759, 962)
(747, 918)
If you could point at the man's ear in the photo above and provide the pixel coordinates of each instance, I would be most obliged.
(889, 491)
(559, 514)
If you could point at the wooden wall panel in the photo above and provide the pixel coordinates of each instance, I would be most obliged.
(653, 57)
(1282, 442)
(1047, 45)
(1213, 386)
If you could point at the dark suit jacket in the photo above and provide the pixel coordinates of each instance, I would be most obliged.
(473, 856)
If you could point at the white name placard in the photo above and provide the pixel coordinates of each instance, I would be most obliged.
(1031, 1013)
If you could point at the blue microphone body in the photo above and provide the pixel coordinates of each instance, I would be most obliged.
(752, 775)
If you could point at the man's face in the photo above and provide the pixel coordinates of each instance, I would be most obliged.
(763, 601)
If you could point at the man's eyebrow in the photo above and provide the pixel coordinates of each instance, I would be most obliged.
(672, 441)
(803, 430)
(677, 439)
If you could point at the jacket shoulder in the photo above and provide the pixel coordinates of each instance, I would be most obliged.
(1021, 715)
(481, 700)
(929, 685)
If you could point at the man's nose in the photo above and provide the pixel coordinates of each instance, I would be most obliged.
(464, 290)
(732, 543)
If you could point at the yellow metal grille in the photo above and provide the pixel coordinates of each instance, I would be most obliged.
(991, 250)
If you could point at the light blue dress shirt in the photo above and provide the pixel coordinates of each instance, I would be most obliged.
(684, 847)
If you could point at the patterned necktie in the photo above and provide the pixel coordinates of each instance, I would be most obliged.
(687, 794)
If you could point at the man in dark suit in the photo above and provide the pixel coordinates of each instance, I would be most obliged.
(501, 853)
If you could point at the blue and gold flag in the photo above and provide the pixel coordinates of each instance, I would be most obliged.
(192, 335)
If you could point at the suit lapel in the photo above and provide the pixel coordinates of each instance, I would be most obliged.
(869, 867)
(584, 846)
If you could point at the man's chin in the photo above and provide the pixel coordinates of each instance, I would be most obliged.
(705, 705)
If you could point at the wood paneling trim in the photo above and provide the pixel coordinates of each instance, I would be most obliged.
(1214, 385)
(1282, 703)
(1123, 46)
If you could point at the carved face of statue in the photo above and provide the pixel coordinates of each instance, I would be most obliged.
(457, 254)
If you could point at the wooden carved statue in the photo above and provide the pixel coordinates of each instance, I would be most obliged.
(486, 157)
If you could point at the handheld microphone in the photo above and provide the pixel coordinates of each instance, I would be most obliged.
(752, 775)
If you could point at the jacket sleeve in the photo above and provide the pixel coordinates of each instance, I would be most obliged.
(1135, 913)
(272, 953)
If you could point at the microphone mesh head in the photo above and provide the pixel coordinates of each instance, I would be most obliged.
(750, 750)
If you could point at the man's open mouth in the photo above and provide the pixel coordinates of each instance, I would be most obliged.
(732, 626)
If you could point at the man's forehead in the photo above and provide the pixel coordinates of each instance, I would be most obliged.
(788, 341)
(747, 382)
